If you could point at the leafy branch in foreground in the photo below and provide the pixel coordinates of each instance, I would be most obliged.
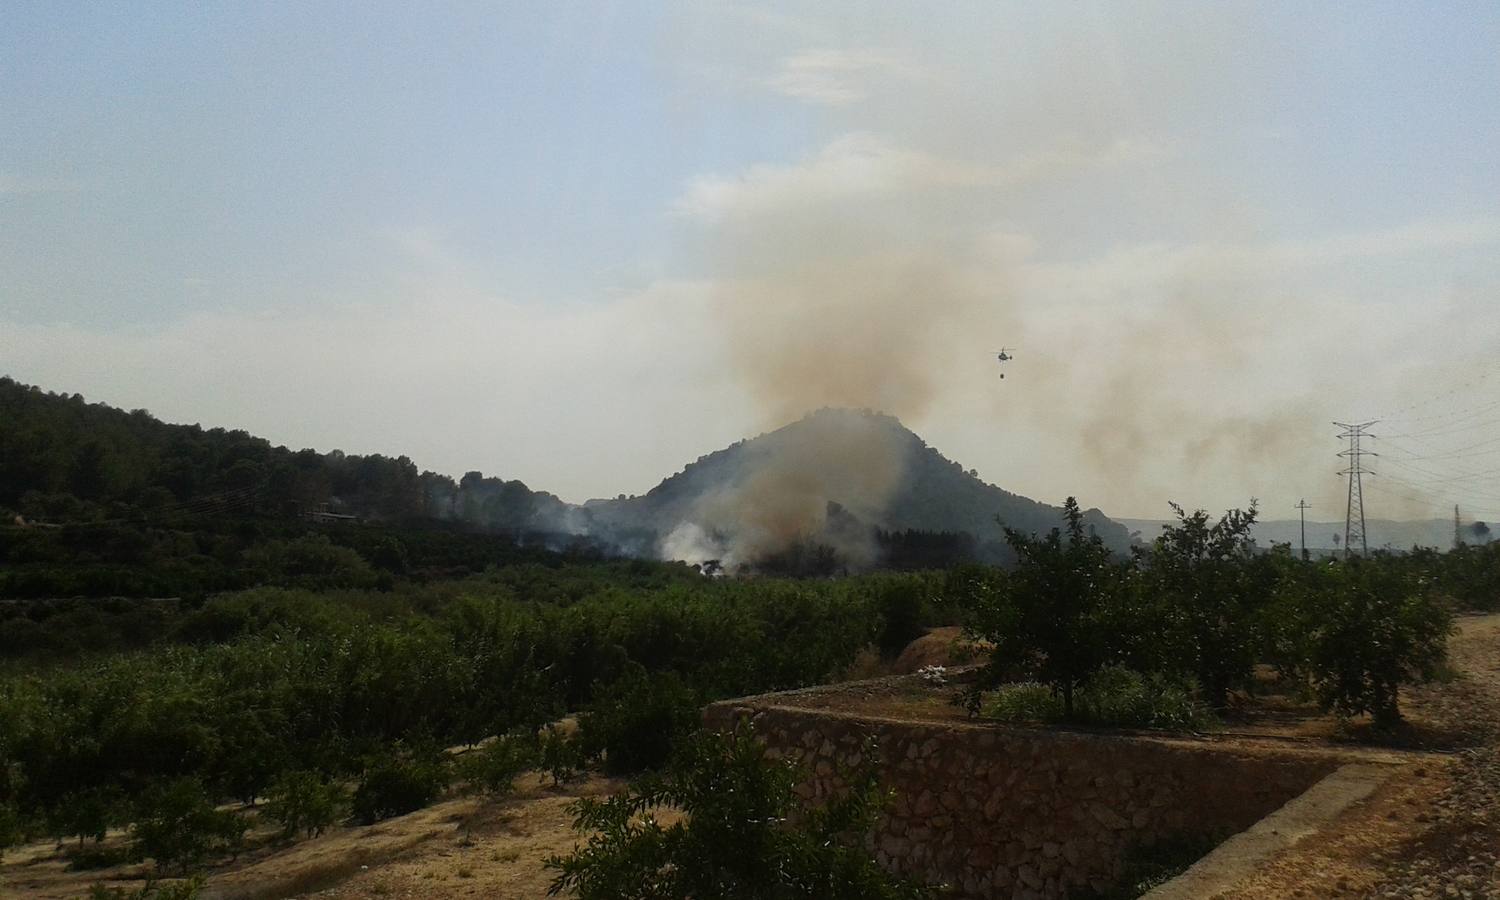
(737, 832)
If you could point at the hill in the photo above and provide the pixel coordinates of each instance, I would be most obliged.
(854, 489)
(67, 460)
(850, 479)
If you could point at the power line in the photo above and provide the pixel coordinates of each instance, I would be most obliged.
(1429, 476)
(1428, 421)
(1427, 500)
(1438, 494)
(1447, 428)
(1396, 415)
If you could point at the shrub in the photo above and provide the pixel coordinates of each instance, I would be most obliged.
(188, 889)
(900, 605)
(179, 825)
(1048, 620)
(399, 783)
(310, 561)
(1471, 575)
(492, 768)
(84, 814)
(1113, 696)
(1021, 702)
(10, 826)
(559, 755)
(1204, 591)
(306, 803)
(636, 723)
(1119, 696)
(98, 856)
(745, 834)
(1370, 630)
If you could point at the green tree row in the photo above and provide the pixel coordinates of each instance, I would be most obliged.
(1200, 605)
(261, 683)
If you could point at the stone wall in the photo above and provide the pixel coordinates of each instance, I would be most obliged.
(1000, 811)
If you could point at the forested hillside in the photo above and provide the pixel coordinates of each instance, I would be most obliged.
(62, 458)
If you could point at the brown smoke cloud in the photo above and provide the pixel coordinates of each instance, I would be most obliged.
(842, 456)
(1162, 369)
(843, 312)
(866, 332)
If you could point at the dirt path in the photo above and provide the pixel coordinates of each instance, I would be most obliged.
(1458, 854)
(1433, 831)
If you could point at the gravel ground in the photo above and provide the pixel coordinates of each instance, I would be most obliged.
(1458, 855)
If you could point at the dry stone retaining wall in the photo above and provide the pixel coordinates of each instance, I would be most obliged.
(1014, 812)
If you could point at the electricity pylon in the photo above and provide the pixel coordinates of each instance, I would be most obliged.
(1354, 515)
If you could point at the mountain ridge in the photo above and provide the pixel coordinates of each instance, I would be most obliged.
(839, 476)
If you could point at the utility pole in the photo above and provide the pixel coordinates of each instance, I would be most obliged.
(1302, 508)
(1354, 514)
(1458, 535)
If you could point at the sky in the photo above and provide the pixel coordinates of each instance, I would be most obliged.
(584, 244)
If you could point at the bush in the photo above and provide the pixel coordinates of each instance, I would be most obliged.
(84, 814)
(900, 604)
(188, 889)
(399, 783)
(1205, 590)
(1471, 575)
(11, 832)
(559, 755)
(1114, 696)
(1368, 630)
(310, 561)
(492, 768)
(1048, 620)
(1118, 696)
(98, 856)
(744, 834)
(305, 803)
(1022, 702)
(179, 825)
(638, 721)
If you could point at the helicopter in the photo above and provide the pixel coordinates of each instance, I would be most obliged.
(1004, 356)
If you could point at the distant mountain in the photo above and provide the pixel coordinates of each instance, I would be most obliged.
(836, 477)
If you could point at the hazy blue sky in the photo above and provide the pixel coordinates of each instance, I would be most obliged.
(582, 244)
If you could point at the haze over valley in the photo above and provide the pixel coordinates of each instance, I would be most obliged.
(708, 449)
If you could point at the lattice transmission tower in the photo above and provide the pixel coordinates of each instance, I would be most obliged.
(1354, 515)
